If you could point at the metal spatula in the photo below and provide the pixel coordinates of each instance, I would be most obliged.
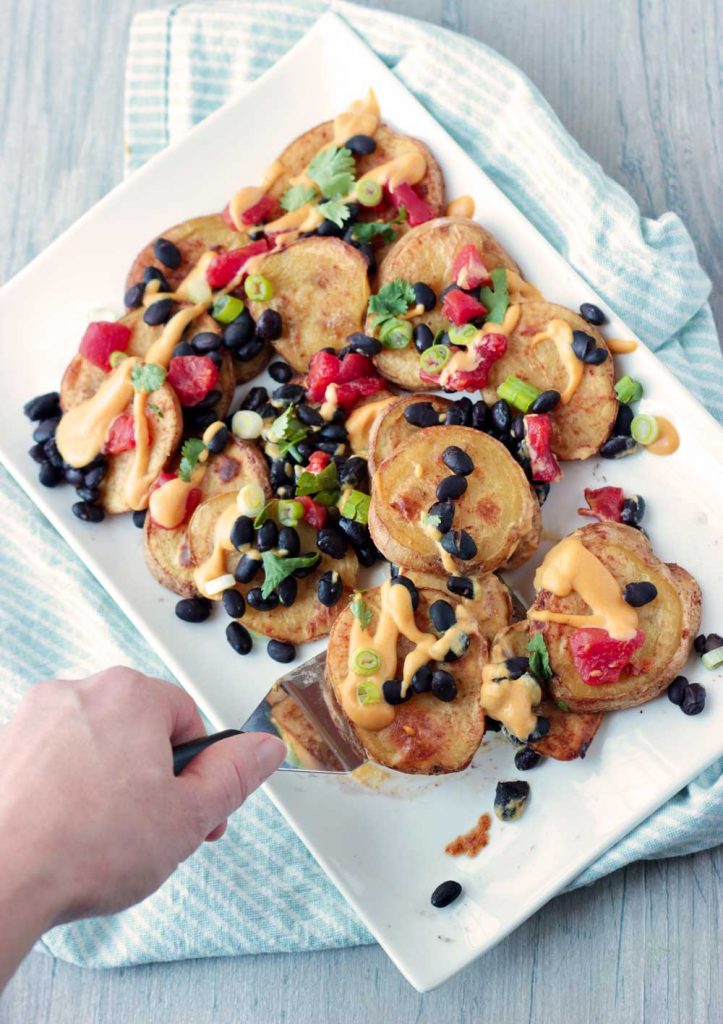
(318, 740)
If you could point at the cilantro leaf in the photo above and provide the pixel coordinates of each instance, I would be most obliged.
(368, 232)
(355, 505)
(496, 298)
(296, 196)
(147, 377)
(336, 212)
(286, 431)
(267, 512)
(190, 454)
(361, 610)
(429, 519)
(562, 705)
(332, 170)
(539, 657)
(393, 299)
(314, 483)
(277, 569)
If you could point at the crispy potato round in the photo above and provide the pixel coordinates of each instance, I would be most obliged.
(167, 552)
(498, 509)
(570, 733)
(307, 619)
(426, 253)
(320, 288)
(192, 238)
(166, 423)
(390, 429)
(492, 606)
(670, 623)
(581, 426)
(428, 736)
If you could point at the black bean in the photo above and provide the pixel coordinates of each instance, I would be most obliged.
(517, 429)
(246, 569)
(289, 541)
(154, 274)
(193, 609)
(443, 685)
(593, 314)
(442, 615)
(216, 358)
(255, 599)
(43, 407)
(51, 476)
(618, 447)
(542, 727)
(210, 399)
(492, 725)
(198, 420)
(546, 401)
(206, 341)
(511, 799)
(404, 581)
(88, 512)
(542, 490)
(501, 416)
(159, 312)
(712, 642)
(357, 533)
(280, 371)
(466, 405)
(517, 667)
(361, 145)
(462, 586)
(269, 325)
(676, 690)
(451, 487)
(287, 394)
(53, 455)
(329, 589)
(245, 353)
(445, 511)
(328, 229)
(450, 288)
(308, 416)
(233, 603)
(368, 554)
(183, 348)
(582, 345)
(46, 429)
(354, 472)
(332, 542)
(369, 255)
(334, 432)
(455, 415)
(73, 476)
(281, 474)
(255, 399)
(139, 518)
(457, 460)
(359, 342)
(167, 253)
(288, 590)
(219, 441)
(480, 415)
(699, 643)
(623, 420)
(458, 648)
(424, 295)
(423, 337)
(633, 510)
(596, 356)
(89, 494)
(37, 454)
(267, 536)
(445, 893)
(133, 297)
(392, 691)
(239, 331)
(638, 594)
(330, 447)
(239, 637)
(693, 699)
(460, 544)
(422, 679)
(421, 414)
(281, 650)
(527, 758)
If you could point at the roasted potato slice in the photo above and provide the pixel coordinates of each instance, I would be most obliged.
(307, 619)
(427, 736)
(426, 253)
(581, 426)
(498, 509)
(321, 291)
(390, 429)
(670, 623)
(167, 552)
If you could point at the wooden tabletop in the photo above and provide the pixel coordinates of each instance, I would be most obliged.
(637, 84)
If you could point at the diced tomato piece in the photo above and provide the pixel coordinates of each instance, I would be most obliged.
(192, 377)
(323, 369)
(460, 308)
(318, 461)
(598, 658)
(417, 210)
(193, 499)
(545, 466)
(606, 504)
(353, 366)
(102, 338)
(121, 436)
(347, 395)
(354, 374)
(225, 265)
(468, 269)
(487, 349)
(314, 513)
(260, 211)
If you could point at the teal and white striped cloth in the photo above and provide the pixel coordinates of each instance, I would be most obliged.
(259, 889)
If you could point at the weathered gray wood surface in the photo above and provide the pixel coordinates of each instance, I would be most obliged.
(637, 83)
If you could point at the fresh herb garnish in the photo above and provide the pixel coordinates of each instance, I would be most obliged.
(190, 454)
(428, 519)
(539, 657)
(496, 298)
(392, 300)
(332, 170)
(361, 610)
(267, 512)
(336, 212)
(355, 505)
(156, 409)
(373, 229)
(296, 196)
(147, 377)
(277, 569)
(562, 705)
(286, 431)
(315, 483)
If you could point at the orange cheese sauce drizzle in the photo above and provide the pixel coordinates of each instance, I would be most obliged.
(167, 505)
(462, 206)
(559, 333)
(215, 564)
(465, 361)
(619, 346)
(359, 423)
(570, 566)
(82, 430)
(508, 700)
(668, 440)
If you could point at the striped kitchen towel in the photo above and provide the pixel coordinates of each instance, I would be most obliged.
(259, 889)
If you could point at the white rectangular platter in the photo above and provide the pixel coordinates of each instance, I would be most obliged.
(384, 847)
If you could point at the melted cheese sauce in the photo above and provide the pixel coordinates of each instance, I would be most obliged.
(167, 505)
(668, 440)
(462, 206)
(520, 290)
(510, 701)
(559, 333)
(360, 421)
(82, 430)
(621, 345)
(360, 118)
(215, 564)
(409, 167)
(466, 360)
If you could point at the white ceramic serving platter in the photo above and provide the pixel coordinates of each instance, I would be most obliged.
(383, 847)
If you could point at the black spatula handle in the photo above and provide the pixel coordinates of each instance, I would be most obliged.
(185, 752)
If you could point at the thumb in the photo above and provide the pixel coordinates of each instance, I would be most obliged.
(221, 777)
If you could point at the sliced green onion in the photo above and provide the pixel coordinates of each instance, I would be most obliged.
(355, 505)
(247, 424)
(434, 359)
(462, 335)
(366, 661)
(628, 390)
(369, 192)
(645, 429)
(116, 358)
(250, 500)
(395, 333)
(518, 393)
(714, 658)
(368, 693)
(290, 512)
(258, 288)
(226, 308)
